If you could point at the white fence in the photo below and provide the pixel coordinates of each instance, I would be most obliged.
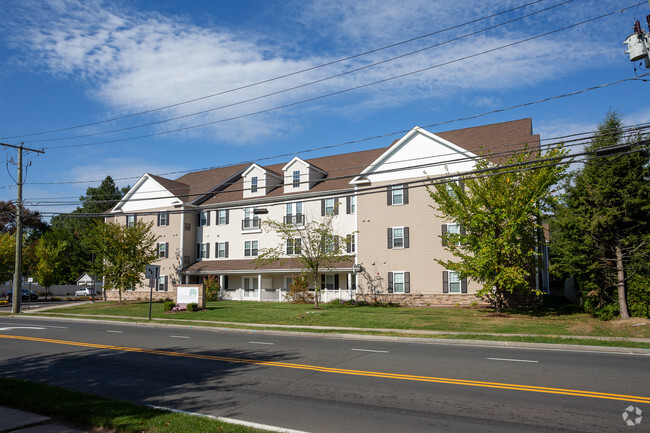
(279, 295)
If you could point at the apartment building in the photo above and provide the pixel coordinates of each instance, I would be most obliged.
(208, 223)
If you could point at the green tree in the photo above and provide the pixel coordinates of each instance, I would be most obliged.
(122, 252)
(499, 214)
(7, 256)
(33, 224)
(50, 255)
(313, 244)
(601, 227)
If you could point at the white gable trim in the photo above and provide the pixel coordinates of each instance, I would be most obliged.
(304, 163)
(162, 195)
(262, 169)
(375, 166)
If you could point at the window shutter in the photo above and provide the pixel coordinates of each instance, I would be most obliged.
(348, 244)
(227, 218)
(405, 194)
(462, 230)
(445, 282)
(336, 244)
(225, 281)
(336, 281)
(158, 223)
(347, 205)
(390, 238)
(390, 282)
(463, 285)
(166, 249)
(322, 281)
(226, 248)
(166, 282)
(406, 237)
(336, 206)
(198, 219)
(198, 251)
(407, 282)
(207, 218)
(444, 232)
(462, 185)
(207, 250)
(389, 196)
(322, 207)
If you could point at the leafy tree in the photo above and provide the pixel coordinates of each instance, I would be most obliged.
(601, 227)
(499, 214)
(122, 252)
(50, 256)
(33, 224)
(314, 245)
(102, 198)
(212, 287)
(7, 256)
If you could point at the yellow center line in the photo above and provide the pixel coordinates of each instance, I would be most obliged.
(496, 385)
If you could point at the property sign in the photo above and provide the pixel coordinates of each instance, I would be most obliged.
(187, 295)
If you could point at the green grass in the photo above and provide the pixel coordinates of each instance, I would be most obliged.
(92, 411)
(560, 320)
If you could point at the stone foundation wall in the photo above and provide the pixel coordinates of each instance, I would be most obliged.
(438, 300)
(139, 295)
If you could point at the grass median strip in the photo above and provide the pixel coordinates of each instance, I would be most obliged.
(93, 411)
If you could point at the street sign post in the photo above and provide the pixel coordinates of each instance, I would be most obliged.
(152, 272)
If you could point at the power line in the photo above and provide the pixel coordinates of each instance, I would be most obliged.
(310, 83)
(292, 104)
(246, 86)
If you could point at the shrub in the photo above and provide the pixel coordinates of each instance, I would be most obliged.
(299, 291)
(193, 307)
(212, 288)
(169, 305)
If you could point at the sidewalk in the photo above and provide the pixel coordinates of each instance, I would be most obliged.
(17, 421)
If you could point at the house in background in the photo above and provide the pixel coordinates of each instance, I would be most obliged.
(207, 223)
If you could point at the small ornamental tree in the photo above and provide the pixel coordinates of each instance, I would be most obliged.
(122, 252)
(312, 243)
(499, 213)
(50, 258)
(212, 287)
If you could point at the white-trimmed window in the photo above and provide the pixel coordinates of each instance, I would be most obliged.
(351, 204)
(251, 285)
(251, 248)
(163, 218)
(130, 220)
(451, 283)
(163, 249)
(251, 221)
(204, 218)
(454, 282)
(397, 194)
(331, 244)
(162, 283)
(455, 229)
(399, 282)
(329, 206)
(296, 178)
(293, 214)
(398, 237)
(293, 246)
(351, 243)
(203, 251)
(254, 184)
(222, 217)
(222, 250)
(328, 282)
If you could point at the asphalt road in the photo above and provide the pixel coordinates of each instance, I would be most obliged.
(324, 384)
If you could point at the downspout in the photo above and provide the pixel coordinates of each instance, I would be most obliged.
(180, 259)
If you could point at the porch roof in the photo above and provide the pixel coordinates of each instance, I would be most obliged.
(247, 266)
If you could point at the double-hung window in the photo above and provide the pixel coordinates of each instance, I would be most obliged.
(162, 283)
(351, 204)
(251, 221)
(251, 285)
(399, 282)
(163, 218)
(222, 250)
(452, 283)
(329, 206)
(293, 246)
(397, 195)
(250, 248)
(130, 220)
(351, 243)
(294, 213)
(222, 217)
(203, 251)
(163, 249)
(296, 178)
(254, 184)
(204, 218)
(398, 237)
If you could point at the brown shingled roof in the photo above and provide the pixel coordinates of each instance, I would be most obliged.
(207, 266)
(179, 189)
(340, 169)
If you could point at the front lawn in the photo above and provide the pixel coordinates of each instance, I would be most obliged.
(547, 321)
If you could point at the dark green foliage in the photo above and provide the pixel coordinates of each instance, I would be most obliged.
(193, 307)
(168, 305)
(212, 288)
(601, 229)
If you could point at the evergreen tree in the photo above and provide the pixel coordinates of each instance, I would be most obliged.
(601, 229)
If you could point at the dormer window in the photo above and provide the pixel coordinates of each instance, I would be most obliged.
(254, 184)
(296, 178)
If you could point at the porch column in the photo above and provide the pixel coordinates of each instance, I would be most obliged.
(259, 287)
(350, 276)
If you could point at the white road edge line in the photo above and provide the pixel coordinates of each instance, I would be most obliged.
(232, 421)
(260, 342)
(9, 328)
(511, 360)
(178, 336)
(369, 350)
(115, 332)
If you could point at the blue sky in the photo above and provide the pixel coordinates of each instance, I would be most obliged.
(69, 63)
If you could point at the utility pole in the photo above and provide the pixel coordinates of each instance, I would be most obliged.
(18, 265)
